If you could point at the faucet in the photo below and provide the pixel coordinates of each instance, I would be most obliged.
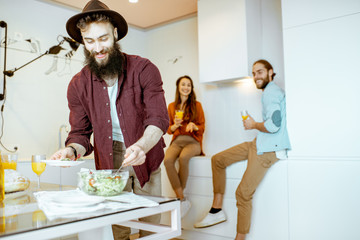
(66, 130)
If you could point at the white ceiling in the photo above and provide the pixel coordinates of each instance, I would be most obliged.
(144, 14)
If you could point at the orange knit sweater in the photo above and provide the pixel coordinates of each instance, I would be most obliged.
(199, 121)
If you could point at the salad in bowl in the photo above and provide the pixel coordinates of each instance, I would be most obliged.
(102, 182)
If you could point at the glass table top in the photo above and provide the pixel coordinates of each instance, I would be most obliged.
(20, 213)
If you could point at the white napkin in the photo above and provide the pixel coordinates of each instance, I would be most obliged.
(75, 203)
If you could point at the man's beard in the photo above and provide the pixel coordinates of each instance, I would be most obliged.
(111, 68)
(264, 83)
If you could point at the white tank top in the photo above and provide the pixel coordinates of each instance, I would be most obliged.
(116, 130)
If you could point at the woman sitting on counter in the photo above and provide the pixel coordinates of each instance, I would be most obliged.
(187, 124)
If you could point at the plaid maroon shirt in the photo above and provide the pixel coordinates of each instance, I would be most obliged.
(140, 102)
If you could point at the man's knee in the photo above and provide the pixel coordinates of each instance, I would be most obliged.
(244, 192)
(217, 161)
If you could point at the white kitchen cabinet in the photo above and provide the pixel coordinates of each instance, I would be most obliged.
(322, 59)
(324, 199)
(229, 33)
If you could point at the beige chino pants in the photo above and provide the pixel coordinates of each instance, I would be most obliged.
(152, 187)
(256, 169)
(183, 148)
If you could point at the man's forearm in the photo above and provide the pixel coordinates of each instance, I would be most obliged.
(150, 138)
(261, 127)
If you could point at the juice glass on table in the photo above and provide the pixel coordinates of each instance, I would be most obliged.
(244, 114)
(38, 166)
(9, 160)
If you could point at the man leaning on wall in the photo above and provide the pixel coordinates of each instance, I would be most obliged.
(270, 145)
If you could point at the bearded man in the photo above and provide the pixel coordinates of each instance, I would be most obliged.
(119, 98)
(270, 145)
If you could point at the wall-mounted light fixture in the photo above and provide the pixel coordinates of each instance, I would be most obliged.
(53, 50)
(133, 1)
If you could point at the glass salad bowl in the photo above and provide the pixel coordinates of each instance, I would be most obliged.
(102, 182)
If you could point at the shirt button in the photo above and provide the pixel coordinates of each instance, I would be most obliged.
(107, 104)
(110, 154)
(108, 121)
(104, 88)
(109, 137)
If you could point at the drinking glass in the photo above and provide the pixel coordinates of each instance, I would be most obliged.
(9, 160)
(179, 114)
(37, 166)
(244, 114)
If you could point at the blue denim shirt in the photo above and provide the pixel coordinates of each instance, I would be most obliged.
(274, 116)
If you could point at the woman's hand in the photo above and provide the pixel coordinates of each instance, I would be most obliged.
(191, 127)
(177, 121)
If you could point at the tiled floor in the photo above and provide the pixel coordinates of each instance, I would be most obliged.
(74, 237)
(136, 236)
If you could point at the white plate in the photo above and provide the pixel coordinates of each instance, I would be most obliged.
(15, 194)
(59, 163)
(76, 201)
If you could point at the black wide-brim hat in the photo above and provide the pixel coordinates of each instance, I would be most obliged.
(95, 6)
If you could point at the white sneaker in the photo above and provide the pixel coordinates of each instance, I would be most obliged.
(184, 207)
(211, 219)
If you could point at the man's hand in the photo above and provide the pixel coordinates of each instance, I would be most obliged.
(68, 152)
(249, 123)
(63, 153)
(134, 156)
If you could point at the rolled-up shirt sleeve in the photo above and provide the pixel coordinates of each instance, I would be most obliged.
(153, 97)
(81, 128)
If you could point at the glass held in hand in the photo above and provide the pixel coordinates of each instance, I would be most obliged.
(179, 114)
(244, 114)
(38, 166)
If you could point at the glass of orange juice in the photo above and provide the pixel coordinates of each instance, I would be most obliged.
(38, 166)
(179, 114)
(9, 160)
(244, 114)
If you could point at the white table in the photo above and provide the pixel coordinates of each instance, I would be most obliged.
(96, 226)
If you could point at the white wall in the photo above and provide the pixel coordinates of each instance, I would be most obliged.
(321, 50)
(36, 103)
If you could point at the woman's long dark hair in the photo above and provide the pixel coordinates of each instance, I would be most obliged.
(190, 104)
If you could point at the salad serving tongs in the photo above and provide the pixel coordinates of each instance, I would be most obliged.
(119, 169)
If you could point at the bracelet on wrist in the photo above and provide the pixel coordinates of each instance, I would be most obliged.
(74, 150)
